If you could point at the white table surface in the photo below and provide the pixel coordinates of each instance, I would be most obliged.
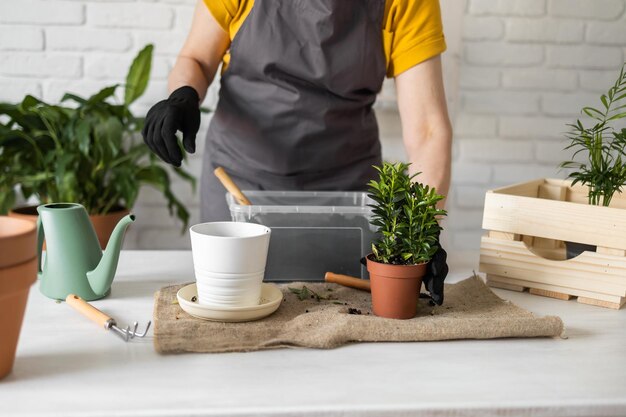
(67, 366)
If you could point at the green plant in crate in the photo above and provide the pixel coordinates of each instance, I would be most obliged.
(603, 146)
(83, 150)
(405, 213)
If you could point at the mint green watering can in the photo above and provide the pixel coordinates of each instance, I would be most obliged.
(75, 263)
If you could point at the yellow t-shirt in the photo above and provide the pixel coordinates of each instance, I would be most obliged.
(412, 29)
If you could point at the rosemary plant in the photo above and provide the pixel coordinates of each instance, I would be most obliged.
(405, 213)
(604, 171)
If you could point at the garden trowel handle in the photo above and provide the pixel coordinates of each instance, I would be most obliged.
(231, 187)
(347, 281)
(89, 311)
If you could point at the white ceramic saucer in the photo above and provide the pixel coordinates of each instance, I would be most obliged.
(271, 297)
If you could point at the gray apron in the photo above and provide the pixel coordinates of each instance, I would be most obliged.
(295, 103)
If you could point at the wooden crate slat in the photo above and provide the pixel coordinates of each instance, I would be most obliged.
(539, 273)
(561, 220)
(585, 271)
(534, 274)
(579, 190)
(611, 251)
(573, 291)
(493, 281)
(526, 189)
(588, 262)
(563, 183)
(537, 276)
(600, 303)
(505, 236)
(551, 294)
(552, 192)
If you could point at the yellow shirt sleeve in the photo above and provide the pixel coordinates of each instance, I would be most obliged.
(223, 11)
(230, 14)
(412, 33)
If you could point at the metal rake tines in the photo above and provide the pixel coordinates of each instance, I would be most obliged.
(127, 334)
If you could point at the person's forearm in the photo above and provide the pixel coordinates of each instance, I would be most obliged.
(201, 54)
(430, 154)
(426, 129)
(188, 72)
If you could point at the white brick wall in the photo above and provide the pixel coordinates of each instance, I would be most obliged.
(516, 72)
(527, 69)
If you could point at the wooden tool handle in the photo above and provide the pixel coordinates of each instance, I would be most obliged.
(231, 187)
(87, 310)
(347, 281)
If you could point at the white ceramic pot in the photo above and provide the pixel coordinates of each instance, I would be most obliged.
(226, 287)
(219, 277)
(230, 247)
(229, 289)
(229, 262)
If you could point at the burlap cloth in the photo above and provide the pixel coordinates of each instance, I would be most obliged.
(470, 311)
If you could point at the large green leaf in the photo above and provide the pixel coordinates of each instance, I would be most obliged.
(73, 97)
(82, 131)
(103, 94)
(138, 75)
(29, 102)
(9, 109)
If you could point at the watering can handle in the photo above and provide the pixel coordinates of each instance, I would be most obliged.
(40, 239)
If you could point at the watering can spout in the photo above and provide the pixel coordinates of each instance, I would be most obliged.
(101, 277)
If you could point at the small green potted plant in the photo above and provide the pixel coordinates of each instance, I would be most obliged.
(406, 215)
(83, 150)
(603, 148)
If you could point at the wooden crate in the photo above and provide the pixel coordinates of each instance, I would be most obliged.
(527, 224)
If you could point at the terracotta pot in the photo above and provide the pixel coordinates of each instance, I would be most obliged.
(102, 223)
(18, 241)
(18, 271)
(395, 288)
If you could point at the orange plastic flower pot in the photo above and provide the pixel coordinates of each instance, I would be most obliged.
(395, 288)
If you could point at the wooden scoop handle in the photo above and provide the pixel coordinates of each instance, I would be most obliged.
(231, 187)
(89, 311)
(347, 281)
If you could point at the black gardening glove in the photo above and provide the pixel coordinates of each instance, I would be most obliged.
(436, 272)
(181, 111)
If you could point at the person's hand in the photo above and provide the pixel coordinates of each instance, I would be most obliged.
(436, 272)
(181, 111)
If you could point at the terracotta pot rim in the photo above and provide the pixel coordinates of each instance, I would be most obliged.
(26, 227)
(415, 271)
(31, 210)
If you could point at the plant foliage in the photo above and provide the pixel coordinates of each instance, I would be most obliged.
(604, 170)
(405, 213)
(83, 150)
(306, 293)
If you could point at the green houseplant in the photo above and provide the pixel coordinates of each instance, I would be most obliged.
(406, 215)
(602, 147)
(84, 150)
